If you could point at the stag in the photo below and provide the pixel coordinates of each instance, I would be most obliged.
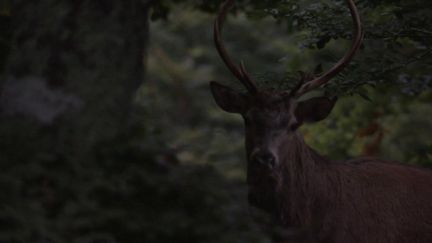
(365, 200)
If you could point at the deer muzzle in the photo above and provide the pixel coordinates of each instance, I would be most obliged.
(263, 158)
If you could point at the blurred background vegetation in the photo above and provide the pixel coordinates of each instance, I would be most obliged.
(108, 132)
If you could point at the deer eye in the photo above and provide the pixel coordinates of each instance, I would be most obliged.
(294, 126)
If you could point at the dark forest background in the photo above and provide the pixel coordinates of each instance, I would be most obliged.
(108, 132)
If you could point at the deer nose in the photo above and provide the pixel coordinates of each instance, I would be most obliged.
(265, 158)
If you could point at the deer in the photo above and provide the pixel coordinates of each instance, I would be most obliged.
(360, 200)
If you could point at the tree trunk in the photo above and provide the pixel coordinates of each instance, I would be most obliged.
(66, 89)
(70, 78)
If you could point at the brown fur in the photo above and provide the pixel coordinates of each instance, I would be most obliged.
(362, 200)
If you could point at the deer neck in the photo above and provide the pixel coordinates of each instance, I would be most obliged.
(300, 180)
(298, 159)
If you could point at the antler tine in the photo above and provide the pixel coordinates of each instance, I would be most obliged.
(342, 63)
(246, 75)
(239, 72)
(298, 85)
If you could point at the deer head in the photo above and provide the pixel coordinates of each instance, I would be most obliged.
(272, 117)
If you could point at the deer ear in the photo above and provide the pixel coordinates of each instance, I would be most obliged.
(315, 109)
(228, 99)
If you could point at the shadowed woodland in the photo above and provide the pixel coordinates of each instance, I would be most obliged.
(109, 133)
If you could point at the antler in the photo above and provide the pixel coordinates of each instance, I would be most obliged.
(342, 63)
(239, 72)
